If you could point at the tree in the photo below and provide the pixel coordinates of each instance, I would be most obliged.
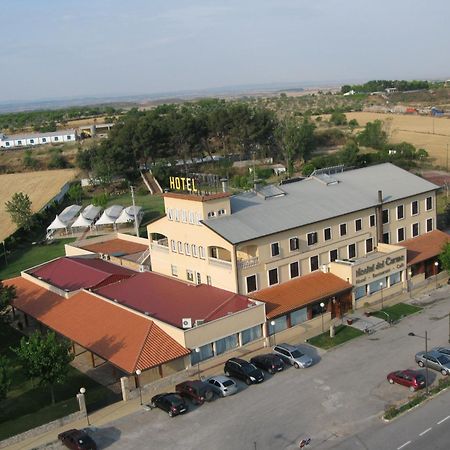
(352, 124)
(45, 357)
(373, 135)
(349, 154)
(7, 295)
(19, 208)
(5, 376)
(444, 257)
(75, 192)
(338, 118)
(29, 161)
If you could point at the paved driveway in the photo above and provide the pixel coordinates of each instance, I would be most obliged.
(343, 393)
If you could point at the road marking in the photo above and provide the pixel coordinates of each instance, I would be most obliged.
(426, 431)
(443, 420)
(404, 445)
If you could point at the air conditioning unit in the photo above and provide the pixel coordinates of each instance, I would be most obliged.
(199, 322)
(186, 323)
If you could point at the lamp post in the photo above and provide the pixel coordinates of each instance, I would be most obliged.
(82, 392)
(426, 360)
(436, 264)
(322, 305)
(274, 335)
(138, 373)
(410, 283)
(197, 350)
(381, 287)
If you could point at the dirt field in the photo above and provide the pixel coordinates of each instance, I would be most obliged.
(41, 187)
(432, 134)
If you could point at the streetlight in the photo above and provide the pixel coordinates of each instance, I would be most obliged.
(381, 287)
(410, 283)
(82, 392)
(426, 353)
(138, 373)
(274, 335)
(197, 350)
(322, 305)
(436, 264)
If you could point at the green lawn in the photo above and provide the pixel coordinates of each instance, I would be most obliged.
(342, 334)
(28, 406)
(24, 258)
(397, 311)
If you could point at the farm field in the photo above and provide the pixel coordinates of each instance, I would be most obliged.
(418, 130)
(41, 187)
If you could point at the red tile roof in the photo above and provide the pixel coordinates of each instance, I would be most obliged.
(197, 198)
(299, 292)
(171, 300)
(117, 247)
(424, 247)
(74, 273)
(127, 340)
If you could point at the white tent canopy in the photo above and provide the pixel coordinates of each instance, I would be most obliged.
(87, 217)
(127, 215)
(110, 215)
(65, 219)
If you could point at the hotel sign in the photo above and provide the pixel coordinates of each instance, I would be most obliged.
(380, 268)
(182, 184)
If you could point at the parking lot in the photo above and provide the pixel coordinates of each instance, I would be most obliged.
(341, 393)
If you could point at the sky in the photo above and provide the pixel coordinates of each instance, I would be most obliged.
(52, 49)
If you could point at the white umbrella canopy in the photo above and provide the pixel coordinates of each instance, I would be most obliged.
(127, 215)
(65, 219)
(87, 217)
(110, 215)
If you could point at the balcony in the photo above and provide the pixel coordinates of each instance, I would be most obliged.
(157, 247)
(219, 262)
(247, 263)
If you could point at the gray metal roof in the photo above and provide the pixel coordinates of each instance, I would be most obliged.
(313, 200)
(38, 135)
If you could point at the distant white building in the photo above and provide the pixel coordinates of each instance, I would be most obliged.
(32, 139)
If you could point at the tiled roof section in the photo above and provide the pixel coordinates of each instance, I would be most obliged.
(197, 198)
(299, 292)
(171, 300)
(117, 247)
(424, 247)
(127, 340)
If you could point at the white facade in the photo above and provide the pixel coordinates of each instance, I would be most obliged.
(30, 140)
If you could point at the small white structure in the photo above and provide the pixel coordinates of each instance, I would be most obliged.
(110, 215)
(278, 169)
(127, 215)
(64, 220)
(32, 139)
(87, 217)
(351, 92)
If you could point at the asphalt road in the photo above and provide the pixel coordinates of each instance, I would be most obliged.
(334, 402)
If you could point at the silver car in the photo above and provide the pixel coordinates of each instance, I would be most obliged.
(444, 350)
(434, 360)
(222, 385)
(293, 356)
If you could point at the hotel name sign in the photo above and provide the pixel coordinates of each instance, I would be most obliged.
(380, 268)
(182, 184)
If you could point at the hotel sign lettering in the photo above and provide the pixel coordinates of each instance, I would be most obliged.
(381, 267)
(182, 184)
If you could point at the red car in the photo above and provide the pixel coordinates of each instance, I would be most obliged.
(410, 378)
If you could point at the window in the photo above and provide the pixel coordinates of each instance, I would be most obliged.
(298, 316)
(225, 344)
(19, 142)
(180, 247)
(414, 208)
(400, 234)
(251, 334)
(169, 214)
(183, 216)
(312, 238)
(221, 212)
(176, 215)
(400, 212)
(294, 269)
(189, 275)
(385, 216)
(280, 325)
(429, 225)
(69, 138)
(369, 245)
(415, 229)
(201, 252)
(199, 277)
(206, 351)
(314, 263)
(293, 244)
(251, 283)
(275, 249)
(7, 144)
(214, 252)
(372, 220)
(173, 245)
(429, 203)
(31, 141)
(211, 214)
(194, 250)
(197, 219)
(343, 229)
(327, 234)
(386, 238)
(174, 270)
(395, 278)
(351, 251)
(333, 255)
(358, 224)
(187, 249)
(191, 217)
(273, 276)
(360, 292)
(44, 139)
(56, 138)
(208, 280)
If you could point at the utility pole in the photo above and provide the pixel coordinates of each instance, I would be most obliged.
(136, 225)
(447, 157)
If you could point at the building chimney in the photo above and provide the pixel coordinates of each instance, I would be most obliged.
(379, 217)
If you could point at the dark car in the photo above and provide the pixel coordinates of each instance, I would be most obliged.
(197, 391)
(77, 440)
(410, 378)
(172, 403)
(269, 362)
(245, 371)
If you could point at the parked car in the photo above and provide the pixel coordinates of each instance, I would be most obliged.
(269, 362)
(442, 350)
(222, 385)
(197, 391)
(293, 356)
(172, 403)
(434, 360)
(243, 370)
(77, 440)
(410, 378)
